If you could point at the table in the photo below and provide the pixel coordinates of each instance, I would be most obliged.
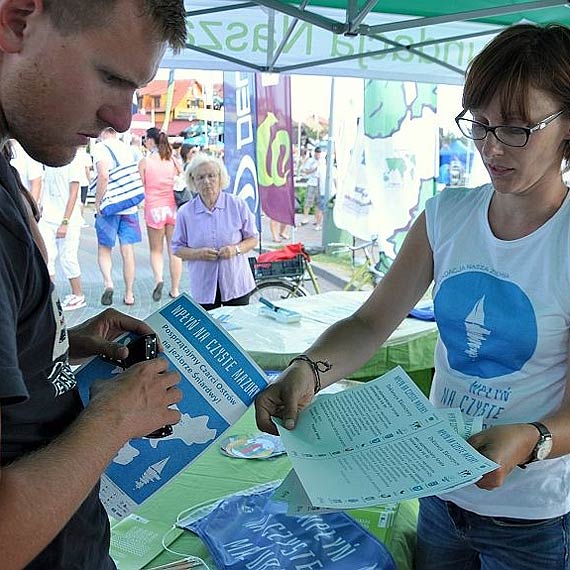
(214, 475)
(273, 344)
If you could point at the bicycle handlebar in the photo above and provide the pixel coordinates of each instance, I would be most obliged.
(354, 248)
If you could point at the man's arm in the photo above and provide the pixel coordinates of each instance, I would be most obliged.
(40, 492)
(73, 193)
(36, 189)
(102, 181)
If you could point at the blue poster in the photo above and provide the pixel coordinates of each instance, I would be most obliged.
(218, 381)
(240, 126)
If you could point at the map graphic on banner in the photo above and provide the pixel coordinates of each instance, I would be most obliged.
(393, 167)
(218, 381)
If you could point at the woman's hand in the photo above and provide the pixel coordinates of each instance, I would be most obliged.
(96, 335)
(227, 251)
(285, 398)
(208, 254)
(508, 445)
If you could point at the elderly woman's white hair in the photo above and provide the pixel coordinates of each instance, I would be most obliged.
(201, 159)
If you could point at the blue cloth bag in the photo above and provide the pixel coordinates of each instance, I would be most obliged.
(251, 531)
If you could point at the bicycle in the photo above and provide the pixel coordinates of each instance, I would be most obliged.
(369, 272)
(283, 279)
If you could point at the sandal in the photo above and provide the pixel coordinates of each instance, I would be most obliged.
(157, 292)
(107, 296)
(284, 236)
(127, 303)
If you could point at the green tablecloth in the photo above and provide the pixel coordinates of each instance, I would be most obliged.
(214, 475)
(272, 344)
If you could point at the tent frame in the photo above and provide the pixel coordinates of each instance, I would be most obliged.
(354, 26)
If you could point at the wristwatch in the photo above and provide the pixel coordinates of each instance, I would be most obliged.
(238, 250)
(543, 446)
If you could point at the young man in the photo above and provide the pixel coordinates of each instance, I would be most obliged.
(68, 68)
(108, 154)
(60, 226)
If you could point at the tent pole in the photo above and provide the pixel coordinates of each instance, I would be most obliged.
(327, 213)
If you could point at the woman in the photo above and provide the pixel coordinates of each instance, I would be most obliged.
(213, 234)
(158, 171)
(498, 256)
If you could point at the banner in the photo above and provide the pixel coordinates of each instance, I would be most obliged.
(274, 156)
(394, 165)
(239, 138)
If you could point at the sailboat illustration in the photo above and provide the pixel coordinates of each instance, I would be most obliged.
(152, 473)
(475, 329)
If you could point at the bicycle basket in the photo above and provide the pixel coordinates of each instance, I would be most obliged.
(285, 268)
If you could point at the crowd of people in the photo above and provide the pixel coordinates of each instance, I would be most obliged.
(499, 250)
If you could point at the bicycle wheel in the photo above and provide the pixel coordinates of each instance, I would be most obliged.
(277, 290)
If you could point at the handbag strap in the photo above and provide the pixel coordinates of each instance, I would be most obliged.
(112, 155)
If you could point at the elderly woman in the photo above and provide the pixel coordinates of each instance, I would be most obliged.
(213, 233)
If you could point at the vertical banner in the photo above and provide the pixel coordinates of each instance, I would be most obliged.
(239, 138)
(274, 156)
(394, 165)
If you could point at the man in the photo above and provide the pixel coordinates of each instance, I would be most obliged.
(60, 225)
(68, 68)
(31, 171)
(314, 169)
(107, 155)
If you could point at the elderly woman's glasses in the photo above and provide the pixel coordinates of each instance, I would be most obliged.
(511, 136)
(204, 177)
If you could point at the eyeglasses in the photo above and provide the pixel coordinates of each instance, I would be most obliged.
(511, 136)
(202, 177)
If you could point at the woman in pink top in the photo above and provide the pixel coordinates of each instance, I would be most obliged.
(158, 171)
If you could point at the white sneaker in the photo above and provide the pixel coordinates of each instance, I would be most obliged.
(317, 227)
(72, 302)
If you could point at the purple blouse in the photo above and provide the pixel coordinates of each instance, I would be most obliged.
(229, 222)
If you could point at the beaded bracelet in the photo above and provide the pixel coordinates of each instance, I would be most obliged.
(317, 366)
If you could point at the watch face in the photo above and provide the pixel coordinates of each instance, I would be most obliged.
(543, 449)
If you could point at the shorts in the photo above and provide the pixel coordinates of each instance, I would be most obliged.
(65, 248)
(311, 196)
(159, 216)
(125, 226)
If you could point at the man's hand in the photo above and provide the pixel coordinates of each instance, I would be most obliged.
(137, 401)
(96, 335)
(508, 445)
(61, 231)
(293, 391)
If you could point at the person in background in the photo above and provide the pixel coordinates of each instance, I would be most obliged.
(60, 225)
(108, 154)
(85, 178)
(278, 231)
(31, 171)
(68, 68)
(135, 145)
(498, 256)
(213, 233)
(158, 171)
(314, 168)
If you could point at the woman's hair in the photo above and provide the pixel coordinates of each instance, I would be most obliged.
(521, 57)
(201, 159)
(161, 141)
(186, 151)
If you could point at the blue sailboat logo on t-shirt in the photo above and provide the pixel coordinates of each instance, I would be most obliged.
(487, 325)
(475, 329)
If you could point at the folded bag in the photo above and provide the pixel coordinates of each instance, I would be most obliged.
(124, 189)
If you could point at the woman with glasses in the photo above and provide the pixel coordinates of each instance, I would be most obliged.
(499, 257)
(213, 234)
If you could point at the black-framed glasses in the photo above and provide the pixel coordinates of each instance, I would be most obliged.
(509, 135)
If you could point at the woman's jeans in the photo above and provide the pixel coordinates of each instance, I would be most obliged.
(451, 538)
